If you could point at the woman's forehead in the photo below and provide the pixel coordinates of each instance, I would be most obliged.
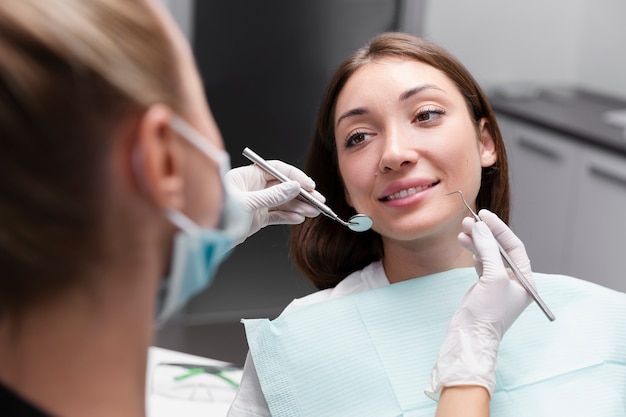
(391, 76)
(396, 70)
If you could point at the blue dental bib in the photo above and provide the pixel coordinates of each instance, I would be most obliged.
(371, 353)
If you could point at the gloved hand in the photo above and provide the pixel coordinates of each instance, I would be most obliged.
(267, 201)
(469, 351)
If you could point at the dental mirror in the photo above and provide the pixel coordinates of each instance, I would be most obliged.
(356, 223)
(360, 223)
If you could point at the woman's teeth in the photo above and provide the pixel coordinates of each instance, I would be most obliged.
(406, 193)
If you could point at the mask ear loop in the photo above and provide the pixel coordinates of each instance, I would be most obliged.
(228, 219)
(138, 166)
(183, 222)
(199, 141)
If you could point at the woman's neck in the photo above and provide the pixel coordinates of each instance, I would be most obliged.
(84, 354)
(429, 255)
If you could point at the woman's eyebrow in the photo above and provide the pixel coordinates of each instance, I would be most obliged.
(415, 90)
(354, 112)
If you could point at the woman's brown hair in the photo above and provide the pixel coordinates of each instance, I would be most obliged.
(326, 252)
(71, 72)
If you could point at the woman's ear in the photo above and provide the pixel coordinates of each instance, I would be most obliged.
(158, 158)
(487, 145)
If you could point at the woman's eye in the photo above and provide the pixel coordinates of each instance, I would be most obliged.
(429, 115)
(356, 138)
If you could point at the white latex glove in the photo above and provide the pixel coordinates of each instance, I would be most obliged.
(469, 351)
(267, 201)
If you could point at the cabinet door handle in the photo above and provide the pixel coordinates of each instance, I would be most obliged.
(609, 176)
(538, 149)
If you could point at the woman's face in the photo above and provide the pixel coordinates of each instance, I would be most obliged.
(405, 139)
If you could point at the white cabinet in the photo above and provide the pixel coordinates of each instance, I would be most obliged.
(568, 203)
(597, 236)
(541, 164)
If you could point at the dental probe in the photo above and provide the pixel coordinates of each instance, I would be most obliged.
(356, 223)
(520, 276)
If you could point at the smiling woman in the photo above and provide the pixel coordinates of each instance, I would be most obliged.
(402, 127)
(397, 100)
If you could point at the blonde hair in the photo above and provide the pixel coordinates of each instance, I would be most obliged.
(119, 40)
(71, 72)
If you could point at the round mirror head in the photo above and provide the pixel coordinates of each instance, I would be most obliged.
(360, 223)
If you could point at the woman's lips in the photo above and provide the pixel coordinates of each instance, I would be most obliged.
(408, 192)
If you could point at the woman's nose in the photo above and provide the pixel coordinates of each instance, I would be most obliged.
(398, 151)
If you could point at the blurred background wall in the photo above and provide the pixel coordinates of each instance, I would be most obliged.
(575, 42)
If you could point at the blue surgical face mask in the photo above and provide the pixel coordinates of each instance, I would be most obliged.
(197, 251)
